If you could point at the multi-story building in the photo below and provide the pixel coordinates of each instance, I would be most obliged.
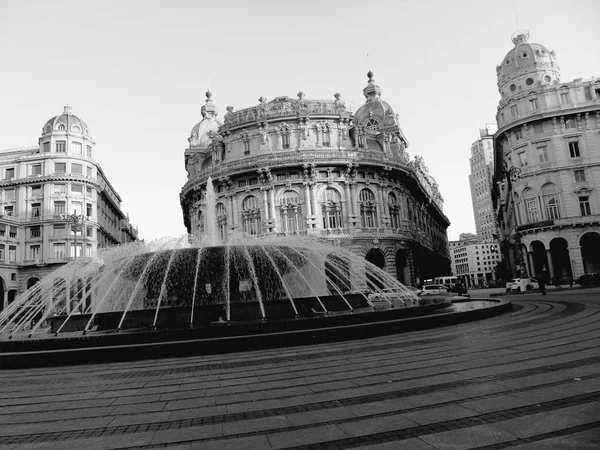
(299, 166)
(474, 262)
(480, 181)
(547, 165)
(56, 204)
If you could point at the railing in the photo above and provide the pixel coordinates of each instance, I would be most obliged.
(43, 178)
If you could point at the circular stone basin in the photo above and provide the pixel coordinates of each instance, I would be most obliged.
(223, 337)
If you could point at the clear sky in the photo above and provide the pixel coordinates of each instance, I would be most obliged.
(137, 71)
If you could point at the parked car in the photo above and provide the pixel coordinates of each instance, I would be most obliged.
(522, 284)
(589, 279)
(434, 289)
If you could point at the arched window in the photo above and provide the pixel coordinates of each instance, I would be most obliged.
(373, 124)
(331, 204)
(394, 210)
(532, 207)
(290, 212)
(222, 221)
(61, 127)
(200, 223)
(367, 209)
(207, 162)
(251, 215)
(550, 201)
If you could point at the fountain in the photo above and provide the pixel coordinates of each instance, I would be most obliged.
(152, 299)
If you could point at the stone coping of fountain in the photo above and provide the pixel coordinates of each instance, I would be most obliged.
(138, 345)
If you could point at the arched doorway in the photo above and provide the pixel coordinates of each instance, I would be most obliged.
(377, 258)
(1, 294)
(401, 266)
(561, 262)
(590, 252)
(32, 282)
(540, 259)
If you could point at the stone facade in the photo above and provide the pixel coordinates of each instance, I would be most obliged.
(547, 165)
(300, 166)
(56, 204)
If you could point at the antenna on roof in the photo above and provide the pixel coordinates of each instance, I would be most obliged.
(516, 16)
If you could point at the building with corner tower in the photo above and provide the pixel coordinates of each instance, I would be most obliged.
(547, 165)
(301, 166)
(56, 204)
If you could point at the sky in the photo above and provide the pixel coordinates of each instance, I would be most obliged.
(137, 71)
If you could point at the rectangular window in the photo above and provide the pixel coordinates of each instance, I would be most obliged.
(35, 232)
(12, 253)
(59, 208)
(565, 98)
(579, 175)
(552, 210)
(89, 172)
(584, 206)
(76, 189)
(514, 112)
(59, 229)
(46, 147)
(76, 207)
(88, 151)
(77, 148)
(9, 174)
(12, 231)
(88, 192)
(574, 149)
(570, 123)
(543, 154)
(36, 191)
(10, 195)
(533, 213)
(518, 134)
(60, 188)
(8, 210)
(522, 159)
(34, 252)
(36, 210)
(533, 104)
(36, 169)
(77, 168)
(88, 209)
(59, 250)
(60, 167)
(89, 231)
(61, 146)
(2, 252)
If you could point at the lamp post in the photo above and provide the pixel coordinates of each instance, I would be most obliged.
(77, 222)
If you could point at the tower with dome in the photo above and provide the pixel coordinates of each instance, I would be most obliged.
(56, 204)
(547, 165)
(300, 166)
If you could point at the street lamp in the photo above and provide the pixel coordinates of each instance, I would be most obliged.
(77, 223)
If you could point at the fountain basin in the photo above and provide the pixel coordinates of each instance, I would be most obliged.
(224, 337)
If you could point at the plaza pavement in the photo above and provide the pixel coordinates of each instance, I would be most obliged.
(528, 379)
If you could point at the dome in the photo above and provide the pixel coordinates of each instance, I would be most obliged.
(201, 134)
(530, 60)
(67, 121)
(375, 113)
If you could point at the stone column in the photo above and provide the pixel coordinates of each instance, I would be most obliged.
(307, 199)
(272, 210)
(5, 300)
(313, 197)
(576, 261)
(349, 207)
(530, 264)
(265, 207)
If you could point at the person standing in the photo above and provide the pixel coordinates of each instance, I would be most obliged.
(542, 280)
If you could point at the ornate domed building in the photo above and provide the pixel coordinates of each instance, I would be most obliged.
(300, 166)
(56, 204)
(547, 165)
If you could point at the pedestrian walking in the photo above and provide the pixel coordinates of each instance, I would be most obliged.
(542, 280)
